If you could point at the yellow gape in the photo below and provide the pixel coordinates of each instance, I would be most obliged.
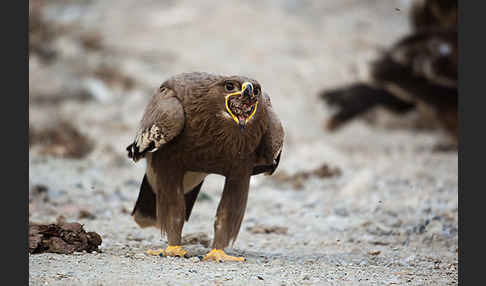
(245, 84)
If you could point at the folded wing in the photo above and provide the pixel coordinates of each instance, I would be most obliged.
(270, 149)
(162, 121)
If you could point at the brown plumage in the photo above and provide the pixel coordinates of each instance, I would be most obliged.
(420, 70)
(426, 14)
(198, 124)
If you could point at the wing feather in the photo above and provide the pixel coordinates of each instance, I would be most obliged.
(270, 148)
(162, 121)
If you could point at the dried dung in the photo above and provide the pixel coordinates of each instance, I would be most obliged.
(41, 32)
(84, 214)
(91, 40)
(267, 229)
(64, 238)
(297, 180)
(39, 193)
(61, 140)
(112, 76)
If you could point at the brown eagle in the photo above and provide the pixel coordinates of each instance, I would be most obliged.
(198, 124)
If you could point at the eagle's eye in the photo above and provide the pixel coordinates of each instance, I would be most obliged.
(256, 91)
(229, 86)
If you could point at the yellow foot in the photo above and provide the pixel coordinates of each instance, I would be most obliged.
(169, 251)
(219, 256)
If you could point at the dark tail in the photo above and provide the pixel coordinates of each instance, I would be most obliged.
(190, 199)
(355, 100)
(145, 210)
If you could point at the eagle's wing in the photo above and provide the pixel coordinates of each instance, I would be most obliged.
(270, 149)
(162, 121)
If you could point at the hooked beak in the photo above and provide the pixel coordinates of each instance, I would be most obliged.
(247, 90)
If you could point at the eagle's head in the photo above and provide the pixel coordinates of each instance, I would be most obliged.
(237, 98)
(241, 101)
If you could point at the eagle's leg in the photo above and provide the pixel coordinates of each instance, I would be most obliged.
(171, 211)
(230, 213)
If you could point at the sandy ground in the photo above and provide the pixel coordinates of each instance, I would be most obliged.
(389, 218)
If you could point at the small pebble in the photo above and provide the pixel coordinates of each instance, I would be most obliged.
(374, 252)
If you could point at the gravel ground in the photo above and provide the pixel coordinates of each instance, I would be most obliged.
(389, 217)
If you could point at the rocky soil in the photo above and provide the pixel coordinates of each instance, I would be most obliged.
(373, 204)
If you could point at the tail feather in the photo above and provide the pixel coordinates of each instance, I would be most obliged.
(145, 210)
(190, 199)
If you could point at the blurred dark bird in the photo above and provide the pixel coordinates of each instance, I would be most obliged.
(419, 71)
(426, 14)
(198, 124)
